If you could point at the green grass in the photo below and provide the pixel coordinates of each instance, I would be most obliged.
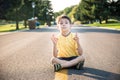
(109, 25)
(10, 27)
(112, 23)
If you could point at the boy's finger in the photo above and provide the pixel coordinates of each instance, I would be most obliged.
(53, 35)
(54, 38)
(76, 35)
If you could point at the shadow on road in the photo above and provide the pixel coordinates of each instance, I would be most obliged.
(76, 29)
(95, 74)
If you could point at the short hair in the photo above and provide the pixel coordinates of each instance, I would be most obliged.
(62, 17)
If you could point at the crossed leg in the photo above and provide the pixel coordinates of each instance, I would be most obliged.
(65, 64)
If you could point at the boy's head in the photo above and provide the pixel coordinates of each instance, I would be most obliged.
(63, 23)
(62, 17)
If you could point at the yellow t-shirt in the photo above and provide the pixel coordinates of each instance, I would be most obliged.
(67, 46)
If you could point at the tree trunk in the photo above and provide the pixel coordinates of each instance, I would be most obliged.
(25, 23)
(48, 23)
(17, 25)
(16, 19)
(106, 20)
(91, 21)
(100, 21)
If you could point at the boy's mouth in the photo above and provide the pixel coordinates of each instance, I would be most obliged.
(64, 27)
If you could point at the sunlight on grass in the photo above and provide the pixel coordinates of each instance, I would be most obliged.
(112, 23)
(10, 27)
(109, 25)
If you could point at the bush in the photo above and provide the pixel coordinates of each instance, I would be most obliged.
(2, 22)
(111, 21)
(77, 22)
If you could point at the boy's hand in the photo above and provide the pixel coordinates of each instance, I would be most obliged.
(79, 49)
(76, 38)
(54, 39)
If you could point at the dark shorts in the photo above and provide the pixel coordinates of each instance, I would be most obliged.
(68, 59)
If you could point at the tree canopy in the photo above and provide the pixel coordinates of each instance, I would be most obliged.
(17, 10)
(92, 10)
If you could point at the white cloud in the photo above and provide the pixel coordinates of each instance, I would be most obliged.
(61, 4)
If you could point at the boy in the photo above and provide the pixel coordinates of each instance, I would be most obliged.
(67, 51)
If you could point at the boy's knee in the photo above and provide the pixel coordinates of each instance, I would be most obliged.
(53, 60)
(81, 58)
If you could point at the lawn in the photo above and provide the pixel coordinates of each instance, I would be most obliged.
(109, 25)
(10, 27)
(112, 23)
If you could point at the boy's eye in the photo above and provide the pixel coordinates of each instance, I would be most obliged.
(66, 22)
(61, 23)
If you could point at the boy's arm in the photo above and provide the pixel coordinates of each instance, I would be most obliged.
(55, 51)
(54, 40)
(79, 49)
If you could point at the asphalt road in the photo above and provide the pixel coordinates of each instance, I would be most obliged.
(26, 55)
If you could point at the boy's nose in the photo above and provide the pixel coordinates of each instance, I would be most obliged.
(63, 24)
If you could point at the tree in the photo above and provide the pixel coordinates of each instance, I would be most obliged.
(87, 9)
(106, 9)
(4, 7)
(43, 10)
(68, 10)
(13, 12)
(25, 12)
(99, 9)
(94, 9)
(114, 7)
(72, 14)
(17, 10)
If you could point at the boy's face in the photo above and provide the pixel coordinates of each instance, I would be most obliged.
(64, 25)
